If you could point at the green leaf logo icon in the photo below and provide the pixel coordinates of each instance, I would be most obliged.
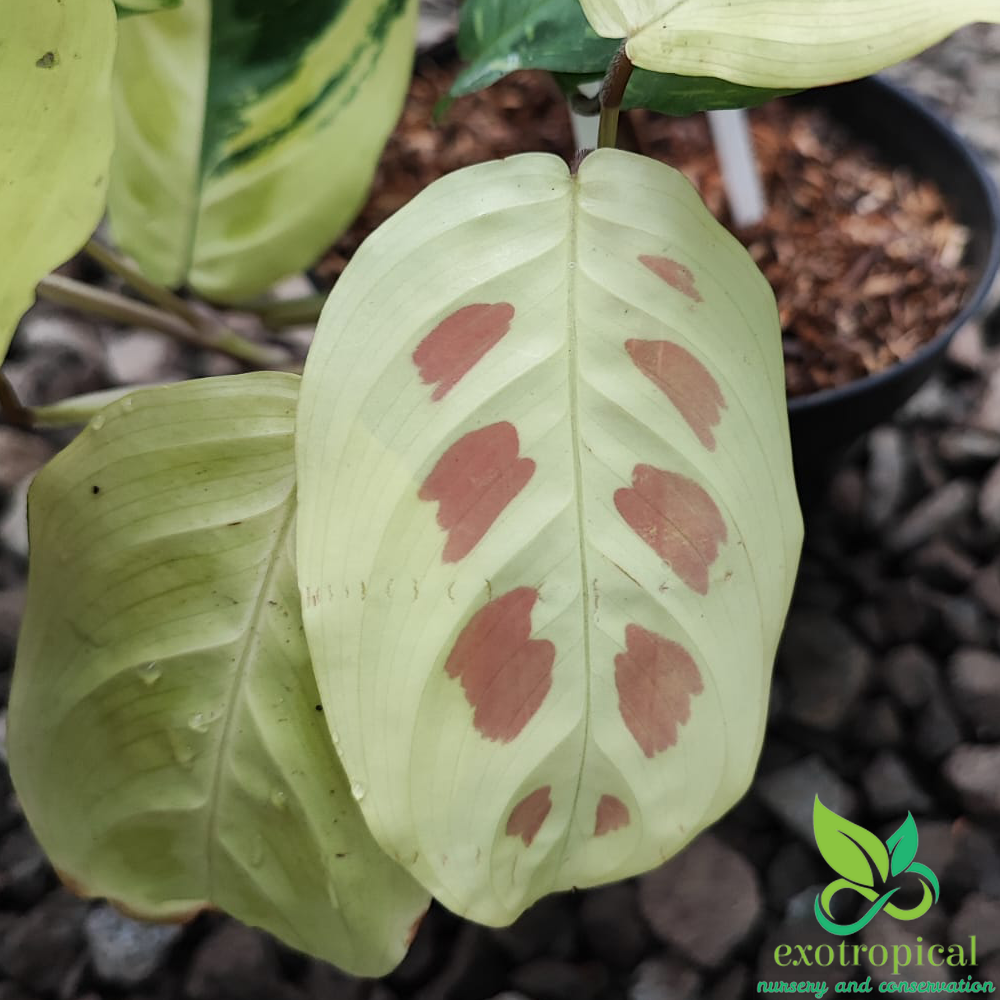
(865, 865)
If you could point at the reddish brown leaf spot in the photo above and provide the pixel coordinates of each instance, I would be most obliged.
(529, 814)
(505, 673)
(656, 679)
(612, 814)
(677, 519)
(456, 344)
(674, 274)
(474, 481)
(685, 380)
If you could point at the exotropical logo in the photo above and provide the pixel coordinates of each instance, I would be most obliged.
(870, 868)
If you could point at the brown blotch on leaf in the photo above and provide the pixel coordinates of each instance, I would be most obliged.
(529, 814)
(677, 519)
(458, 343)
(411, 934)
(612, 814)
(504, 672)
(473, 482)
(686, 382)
(48, 61)
(676, 275)
(656, 679)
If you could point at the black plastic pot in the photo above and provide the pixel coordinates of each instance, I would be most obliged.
(904, 132)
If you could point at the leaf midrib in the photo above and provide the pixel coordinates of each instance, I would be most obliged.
(235, 697)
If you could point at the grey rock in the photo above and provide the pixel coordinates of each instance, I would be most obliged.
(789, 793)
(547, 928)
(933, 403)
(943, 566)
(40, 949)
(704, 902)
(665, 979)
(877, 724)
(891, 789)
(962, 620)
(936, 730)
(14, 524)
(475, 969)
(126, 952)
(235, 963)
(24, 871)
(975, 681)
(934, 515)
(612, 926)
(324, 982)
(52, 332)
(978, 916)
(22, 454)
(138, 357)
(967, 350)
(792, 869)
(975, 864)
(553, 979)
(987, 413)
(888, 476)
(911, 676)
(972, 772)
(826, 668)
(965, 448)
(732, 986)
(986, 589)
(989, 499)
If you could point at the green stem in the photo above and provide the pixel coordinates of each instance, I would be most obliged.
(612, 95)
(133, 277)
(96, 301)
(290, 312)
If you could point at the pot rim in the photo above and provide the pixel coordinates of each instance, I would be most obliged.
(990, 222)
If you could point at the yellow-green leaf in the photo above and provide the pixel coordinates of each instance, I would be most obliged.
(55, 138)
(780, 43)
(248, 133)
(164, 736)
(850, 850)
(548, 524)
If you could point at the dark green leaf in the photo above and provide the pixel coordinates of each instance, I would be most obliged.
(498, 37)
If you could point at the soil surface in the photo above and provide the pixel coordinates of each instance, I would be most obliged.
(864, 258)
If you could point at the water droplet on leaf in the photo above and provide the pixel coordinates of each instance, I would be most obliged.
(199, 723)
(97, 423)
(257, 851)
(150, 672)
(278, 799)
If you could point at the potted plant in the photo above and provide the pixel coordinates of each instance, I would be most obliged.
(485, 604)
(497, 39)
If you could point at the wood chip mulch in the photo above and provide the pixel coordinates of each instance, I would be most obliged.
(864, 259)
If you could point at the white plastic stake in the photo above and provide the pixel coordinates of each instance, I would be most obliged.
(586, 127)
(740, 174)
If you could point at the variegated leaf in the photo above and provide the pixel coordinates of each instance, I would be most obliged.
(548, 527)
(780, 43)
(164, 734)
(56, 133)
(248, 133)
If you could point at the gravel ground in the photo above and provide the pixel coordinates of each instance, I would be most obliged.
(886, 700)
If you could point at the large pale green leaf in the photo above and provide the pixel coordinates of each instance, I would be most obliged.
(127, 7)
(164, 735)
(498, 37)
(55, 139)
(248, 133)
(780, 43)
(548, 524)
